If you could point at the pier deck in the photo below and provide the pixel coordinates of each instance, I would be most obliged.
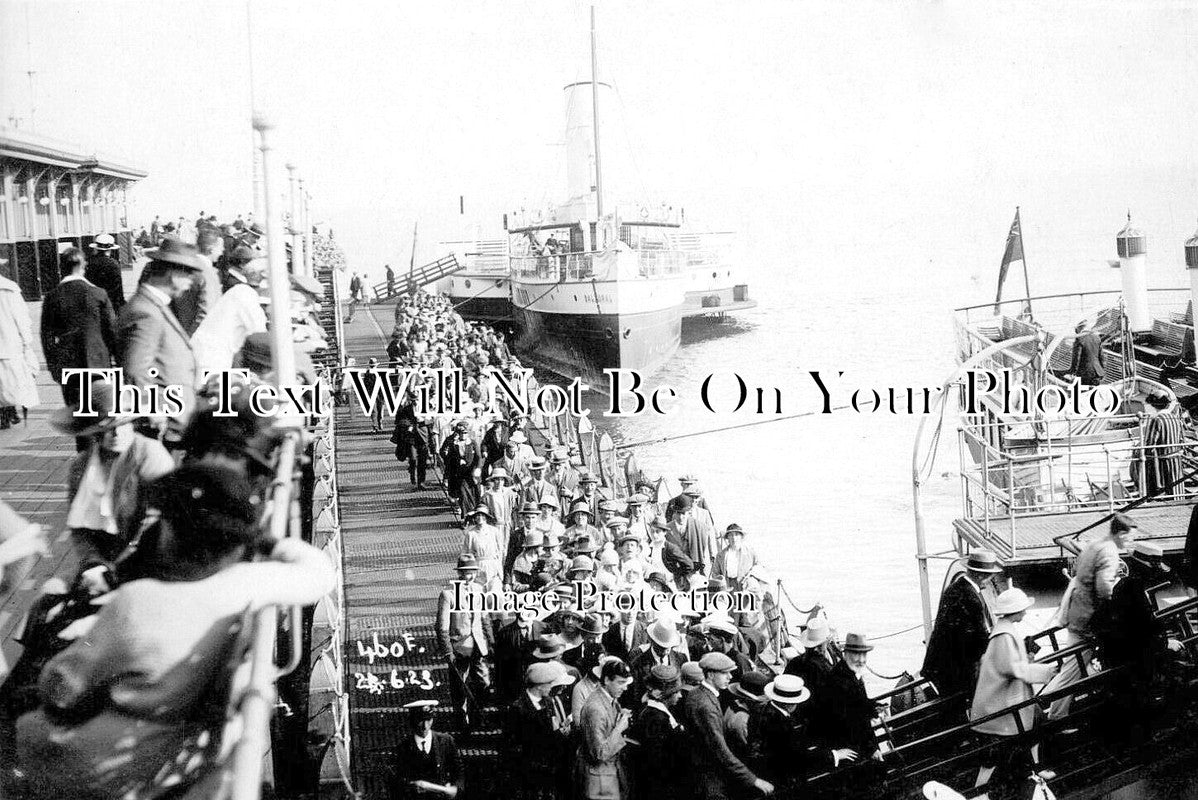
(401, 546)
(1163, 524)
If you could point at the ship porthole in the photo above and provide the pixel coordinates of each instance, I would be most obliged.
(627, 332)
(608, 333)
(714, 274)
(467, 283)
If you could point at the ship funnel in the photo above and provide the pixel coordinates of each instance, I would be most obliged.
(580, 140)
(1132, 246)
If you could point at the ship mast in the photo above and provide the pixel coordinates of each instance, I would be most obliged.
(595, 122)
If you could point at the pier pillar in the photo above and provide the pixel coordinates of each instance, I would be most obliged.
(1133, 248)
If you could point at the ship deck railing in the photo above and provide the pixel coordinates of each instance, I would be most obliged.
(935, 740)
(1055, 310)
(1065, 474)
(575, 267)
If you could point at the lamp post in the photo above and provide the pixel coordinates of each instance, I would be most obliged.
(293, 229)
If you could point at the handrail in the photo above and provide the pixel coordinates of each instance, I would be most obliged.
(1097, 293)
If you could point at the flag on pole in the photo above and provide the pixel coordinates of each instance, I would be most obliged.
(1014, 252)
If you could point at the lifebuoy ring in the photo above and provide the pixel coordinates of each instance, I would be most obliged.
(644, 212)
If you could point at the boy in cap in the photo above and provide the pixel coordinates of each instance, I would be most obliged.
(427, 763)
(717, 772)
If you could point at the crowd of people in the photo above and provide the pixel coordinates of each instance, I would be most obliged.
(127, 667)
(638, 704)
(594, 704)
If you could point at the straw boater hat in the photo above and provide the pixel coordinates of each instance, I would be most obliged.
(664, 634)
(788, 690)
(1012, 601)
(467, 563)
(751, 686)
(720, 622)
(559, 455)
(530, 508)
(688, 477)
(638, 499)
(537, 462)
(983, 561)
(104, 242)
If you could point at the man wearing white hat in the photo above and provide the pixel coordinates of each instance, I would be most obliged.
(788, 755)
(104, 271)
(661, 649)
(1005, 679)
(820, 653)
(537, 733)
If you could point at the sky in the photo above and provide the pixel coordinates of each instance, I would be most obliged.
(846, 132)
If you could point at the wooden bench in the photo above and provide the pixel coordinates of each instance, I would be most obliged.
(1150, 371)
(1167, 340)
(1112, 366)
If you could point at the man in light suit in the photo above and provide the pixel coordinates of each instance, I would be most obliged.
(78, 325)
(465, 640)
(155, 349)
(600, 766)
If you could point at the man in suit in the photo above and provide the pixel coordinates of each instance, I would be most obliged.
(718, 774)
(1087, 363)
(78, 326)
(844, 716)
(661, 650)
(459, 457)
(155, 350)
(820, 654)
(599, 767)
(465, 639)
(537, 732)
(962, 628)
(625, 636)
(427, 763)
(103, 271)
(513, 649)
(734, 562)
